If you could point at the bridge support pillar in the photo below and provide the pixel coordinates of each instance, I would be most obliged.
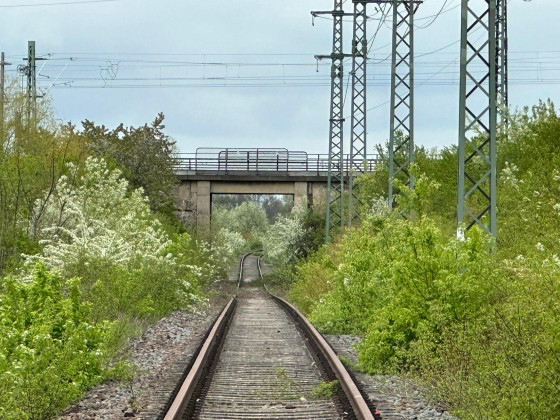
(318, 193)
(300, 195)
(203, 203)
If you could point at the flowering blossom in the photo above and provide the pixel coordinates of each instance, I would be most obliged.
(98, 218)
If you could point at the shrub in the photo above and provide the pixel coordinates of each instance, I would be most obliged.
(105, 234)
(313, 280)
(50, 352)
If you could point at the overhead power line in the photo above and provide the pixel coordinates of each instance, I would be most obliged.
(64, 3)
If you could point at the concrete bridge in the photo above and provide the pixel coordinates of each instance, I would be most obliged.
(212, 171)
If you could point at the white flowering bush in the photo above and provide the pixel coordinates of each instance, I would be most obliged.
(207, 262)
(378, 208)
(100, 230)
(284, 239)
(227, 246)
(107, 264)
(98, 218)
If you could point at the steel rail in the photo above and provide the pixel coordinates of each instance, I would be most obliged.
(215, 337)
(259, 266)
(241, 262)
(354, 396)
(210, 346)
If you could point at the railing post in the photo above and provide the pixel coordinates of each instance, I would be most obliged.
(247, 161)
(257, 164)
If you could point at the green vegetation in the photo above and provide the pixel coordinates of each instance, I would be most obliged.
(476, 320)
(284, 233)
(50, 350)
(325, 389)
(90, 253)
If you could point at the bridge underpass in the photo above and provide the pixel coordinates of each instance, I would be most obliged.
(248, 171)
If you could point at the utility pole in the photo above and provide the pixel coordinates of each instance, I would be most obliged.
(3, 63)
(30, 71)
(401, 138)
(358, 136)
(358, 140)
(477, 179)
(335, 182)
(31, 81)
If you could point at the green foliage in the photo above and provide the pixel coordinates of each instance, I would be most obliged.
(475, 319)
(33, 154)
(313, 280)
(91, 260)
(50, 352)
(474, 327)
(249, 219)
(145, 155)
(273, 205)
(325, 389)
(439, 203)
(529, 183)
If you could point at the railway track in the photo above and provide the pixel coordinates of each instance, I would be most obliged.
(263, 360)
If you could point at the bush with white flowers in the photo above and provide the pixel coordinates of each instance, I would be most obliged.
(100, 230)
(284, 239)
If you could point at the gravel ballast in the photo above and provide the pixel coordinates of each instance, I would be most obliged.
(395, 397)
(160, 355)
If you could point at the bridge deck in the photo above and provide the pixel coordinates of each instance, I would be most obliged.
(258, 164)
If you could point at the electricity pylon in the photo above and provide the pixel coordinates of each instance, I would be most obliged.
(502, 60)
(335, 182)
(31, 82)
(478, 116)
(3, 64)
(358, 135)
(401, 139)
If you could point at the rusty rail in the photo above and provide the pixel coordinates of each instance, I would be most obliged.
(210, 350)
(357, 401)
(241, 262)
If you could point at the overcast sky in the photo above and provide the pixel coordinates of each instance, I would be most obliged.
(241, 73)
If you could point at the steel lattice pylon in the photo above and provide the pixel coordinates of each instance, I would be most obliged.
(358, 142)
(31, 81)
(477, 117)
(401, 140)
(502, 59)
(335, 188)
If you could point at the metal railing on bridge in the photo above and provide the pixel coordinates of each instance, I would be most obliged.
(223, 161)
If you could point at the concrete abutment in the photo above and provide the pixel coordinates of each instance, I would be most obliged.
(193, 198)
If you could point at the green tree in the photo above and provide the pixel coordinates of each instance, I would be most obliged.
(33, 154)
(145, 155)
(249, 219)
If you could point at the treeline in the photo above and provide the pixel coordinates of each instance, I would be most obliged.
(90, 252)
(476, 320)
(284, 233)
